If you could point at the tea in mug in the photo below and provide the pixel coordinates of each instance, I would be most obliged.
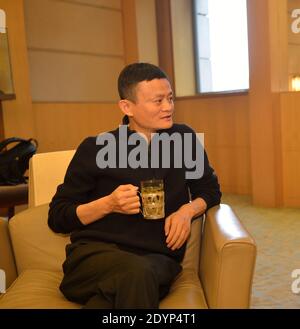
(153, 199)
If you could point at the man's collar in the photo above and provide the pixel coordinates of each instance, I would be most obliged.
(125, 120)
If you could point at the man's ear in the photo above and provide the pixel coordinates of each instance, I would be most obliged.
(126, 107)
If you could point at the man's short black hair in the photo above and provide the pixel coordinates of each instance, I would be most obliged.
(134, 73)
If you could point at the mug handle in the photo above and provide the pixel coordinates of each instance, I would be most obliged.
(141, 202)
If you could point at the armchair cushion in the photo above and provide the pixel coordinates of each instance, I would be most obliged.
(40, 289)
(36, 289)
(35, 245)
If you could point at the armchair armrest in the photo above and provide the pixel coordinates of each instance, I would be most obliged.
(227, 260)
(7, 261)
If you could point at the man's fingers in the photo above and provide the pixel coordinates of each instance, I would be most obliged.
(167, 225)
(129, 193)
(132, 199)
(128, 187)
(180, 241)
(174, 231)
(122, 193)
(133, 211)
(173, 236)
(135, 205)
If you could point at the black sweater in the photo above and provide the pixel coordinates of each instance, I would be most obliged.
(85, 182)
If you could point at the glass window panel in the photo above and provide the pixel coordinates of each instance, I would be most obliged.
(222, 38)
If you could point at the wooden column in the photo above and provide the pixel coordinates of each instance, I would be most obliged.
(164, 38)
(268, 77)
(130, 31)
(18, 115)
(3, 97)
(1, 124)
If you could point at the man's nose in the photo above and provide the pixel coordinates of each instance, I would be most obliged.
(168, 105)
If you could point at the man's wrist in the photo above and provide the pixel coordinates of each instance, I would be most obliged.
(105, 203)
(187, 208)
(89, 212)
(198, 207)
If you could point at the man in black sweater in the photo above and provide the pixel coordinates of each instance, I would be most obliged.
(117, 258)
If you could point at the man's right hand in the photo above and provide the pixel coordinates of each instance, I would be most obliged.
(124, 200)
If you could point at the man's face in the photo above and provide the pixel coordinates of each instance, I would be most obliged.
(153, 108)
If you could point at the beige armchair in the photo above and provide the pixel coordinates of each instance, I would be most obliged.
(217, 268)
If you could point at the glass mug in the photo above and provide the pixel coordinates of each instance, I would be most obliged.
(153, 199)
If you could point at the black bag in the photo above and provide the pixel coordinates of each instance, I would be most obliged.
(15, 161)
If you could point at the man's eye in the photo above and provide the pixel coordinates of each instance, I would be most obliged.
(158, 101)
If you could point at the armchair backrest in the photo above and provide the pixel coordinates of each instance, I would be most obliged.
(35, 245)
(46, 172)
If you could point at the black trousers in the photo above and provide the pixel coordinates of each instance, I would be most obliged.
(101, 275)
